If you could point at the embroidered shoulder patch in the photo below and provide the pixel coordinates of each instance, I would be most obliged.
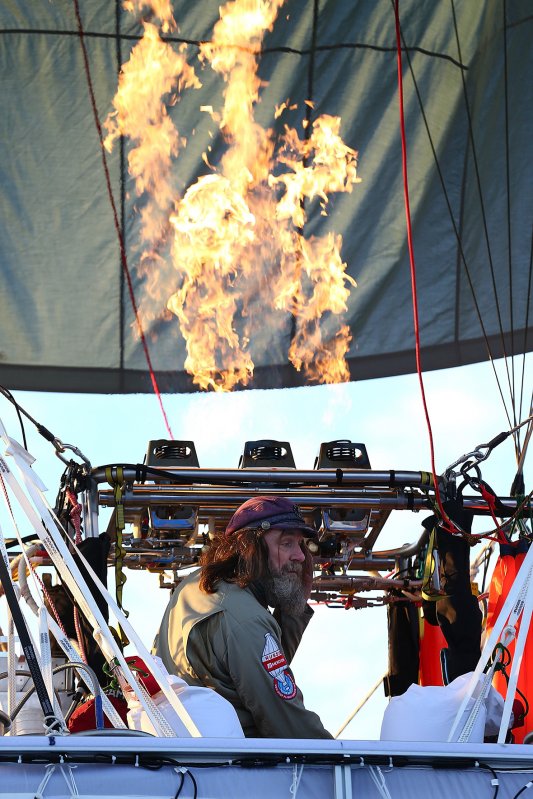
(277, 667)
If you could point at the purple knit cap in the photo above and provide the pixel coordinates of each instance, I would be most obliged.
(268, 513)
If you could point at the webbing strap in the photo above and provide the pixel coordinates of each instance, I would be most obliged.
(526, 610)
(28, 647)
(46, 525)
(74, 657)
(11, 671)
(504, 630)
(117, 484)
(61, 557)
(61, 637)
(430, 581)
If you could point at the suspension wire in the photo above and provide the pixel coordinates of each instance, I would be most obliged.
(22, 411)
(508, 204)
(483, 213)
(9, 396)
(123, 256)
(449, 524)
(459, 242)
(455, 228)
(518, 482)
(524, 350)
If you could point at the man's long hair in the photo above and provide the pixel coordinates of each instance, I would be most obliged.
(240, 558)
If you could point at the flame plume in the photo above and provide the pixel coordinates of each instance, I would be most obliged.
(237, 246)
(153, 76)
(157, 8)
(153, 72)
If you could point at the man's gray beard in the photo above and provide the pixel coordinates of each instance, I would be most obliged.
(284, 590)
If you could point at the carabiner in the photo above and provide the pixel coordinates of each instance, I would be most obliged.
(60, 447)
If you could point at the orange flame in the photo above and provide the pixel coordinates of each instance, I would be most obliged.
(212, 227)
(320, 164)
(157, 8)
(153, 72)
(242, 261)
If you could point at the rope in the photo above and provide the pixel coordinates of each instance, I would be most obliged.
(120, 237)
(361, 704)
(307, 134)
(138, 688)
(45, 655)
(524, 346)
(296, 779)
(30, 652)
(483, 214)
(118, 486)
(449, 524)
(48, 598)
(379, 781)
(454, 225)
(473, 538)
(75, 515)
(75, 518)
(40, 516)
(49, 770)
(180, 40)
(508, 197)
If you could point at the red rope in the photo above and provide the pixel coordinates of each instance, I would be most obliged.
(50, 600)
(448, 523)
(123, 258)
(75, 515)
(75, 519)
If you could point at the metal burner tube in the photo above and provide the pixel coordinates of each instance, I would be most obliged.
(335, 477)
(224, 499)
(229, 499)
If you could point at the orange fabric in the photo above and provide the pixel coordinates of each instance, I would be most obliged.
(431, 642)
(502, 579)
(505, 571)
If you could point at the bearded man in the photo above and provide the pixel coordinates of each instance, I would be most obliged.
(218, 631)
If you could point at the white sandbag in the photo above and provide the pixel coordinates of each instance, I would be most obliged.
(214, 716)
(427, 713)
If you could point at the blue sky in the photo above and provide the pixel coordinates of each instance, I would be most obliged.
(343, 652)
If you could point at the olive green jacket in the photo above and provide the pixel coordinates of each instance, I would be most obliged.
(229, 641)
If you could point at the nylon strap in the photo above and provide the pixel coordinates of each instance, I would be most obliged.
(25, 639)
(59, 635)
(426, 479)
(504, 630)
(71, 652)
(65, 564)
(118, 484)
(47, 525)
(429, 592)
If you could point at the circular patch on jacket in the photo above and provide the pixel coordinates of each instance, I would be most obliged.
(286, 689)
